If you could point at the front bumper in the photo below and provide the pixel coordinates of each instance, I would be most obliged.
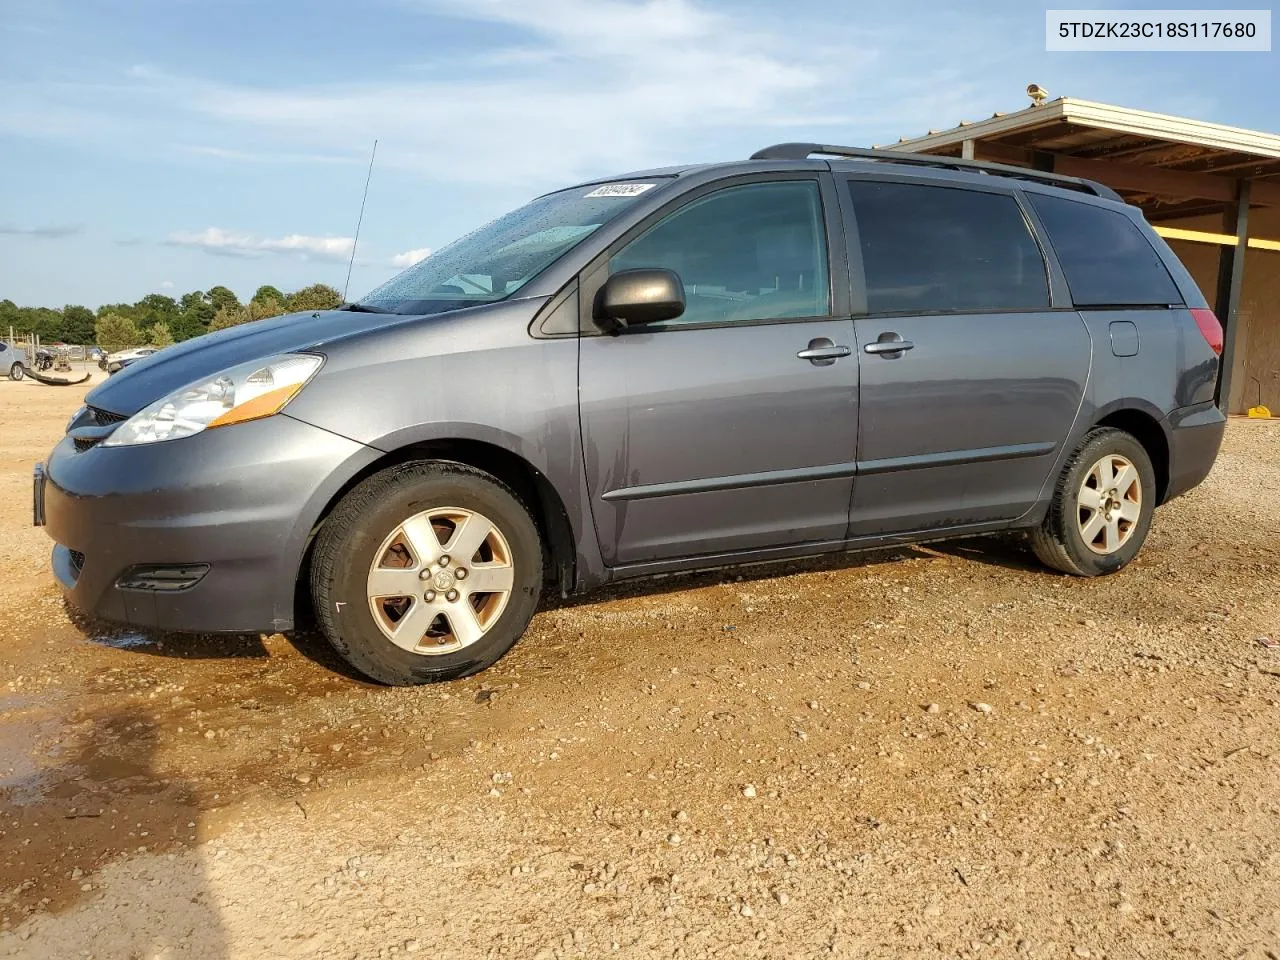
(1195, 434)
(241, 501)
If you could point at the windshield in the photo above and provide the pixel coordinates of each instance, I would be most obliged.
(495, 261)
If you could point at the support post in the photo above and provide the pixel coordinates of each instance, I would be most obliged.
(966, 150)
(1230, 283)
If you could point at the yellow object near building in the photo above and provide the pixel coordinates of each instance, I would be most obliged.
(1260, 412)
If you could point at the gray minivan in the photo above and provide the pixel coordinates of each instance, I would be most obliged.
(815, 350)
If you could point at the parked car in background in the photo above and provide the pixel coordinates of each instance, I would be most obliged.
(12, 360)
(115, 362)
(670, 370)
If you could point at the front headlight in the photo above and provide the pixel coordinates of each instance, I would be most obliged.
(250, 391)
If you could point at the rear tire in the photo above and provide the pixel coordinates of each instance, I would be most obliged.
(16, 372)
(392, 600)
(1102, 507)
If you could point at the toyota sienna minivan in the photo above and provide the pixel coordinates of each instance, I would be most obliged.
(815, 350)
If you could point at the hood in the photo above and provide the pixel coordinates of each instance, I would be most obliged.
(191, 361)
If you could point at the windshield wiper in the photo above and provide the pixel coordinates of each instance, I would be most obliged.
(364, 308)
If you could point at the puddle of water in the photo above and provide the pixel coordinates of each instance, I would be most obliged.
(123, 641)
(26, 732)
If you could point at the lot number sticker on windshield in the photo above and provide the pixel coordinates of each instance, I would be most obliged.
(620, 190)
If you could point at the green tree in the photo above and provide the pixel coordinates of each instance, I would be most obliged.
(160, 335)
(219, 297)
(194, 316)
(9, 313)
(261, 309)
(267, 293)
(114, 332)
(126, 310)
(318, 296)
(155, 308)
(229, 317)
(77, 324)
(43, 322)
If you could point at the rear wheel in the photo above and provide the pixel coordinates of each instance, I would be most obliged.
(426, 572)
(1102, 507)
(16, 372)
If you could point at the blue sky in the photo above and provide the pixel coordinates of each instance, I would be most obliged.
(170, 145)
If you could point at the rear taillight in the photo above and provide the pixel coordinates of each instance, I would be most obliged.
(1210, 328)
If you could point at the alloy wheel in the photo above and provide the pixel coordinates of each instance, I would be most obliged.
(1109, 504)
(440, 580)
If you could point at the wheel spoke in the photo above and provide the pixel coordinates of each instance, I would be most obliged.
(1130, 511)
(394, 582)
(1104, 472)
(413, 625)
(1125, 479)
(467, 538)
(1090, 530)
(422, 538)
(463, 623)
(1113, 534)
(1090, 498)
(490, 578)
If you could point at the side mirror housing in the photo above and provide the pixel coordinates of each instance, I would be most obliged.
(634, 297)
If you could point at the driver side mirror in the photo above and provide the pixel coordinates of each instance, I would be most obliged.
(634, 297)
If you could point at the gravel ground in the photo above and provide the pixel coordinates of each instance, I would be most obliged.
(926, 752)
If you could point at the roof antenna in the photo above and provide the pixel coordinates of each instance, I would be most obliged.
(359, 221)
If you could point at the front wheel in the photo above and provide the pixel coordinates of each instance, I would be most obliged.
(426, 571)
(16, 372)
(1102, 507)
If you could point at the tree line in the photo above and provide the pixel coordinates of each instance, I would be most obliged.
(160, 320)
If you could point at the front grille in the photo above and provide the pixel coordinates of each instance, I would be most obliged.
(105, 418)
(92, 426)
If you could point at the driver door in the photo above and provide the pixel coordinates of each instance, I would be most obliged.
(733, 427)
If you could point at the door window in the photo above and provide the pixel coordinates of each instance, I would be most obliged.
(754, 252)
(932, 249)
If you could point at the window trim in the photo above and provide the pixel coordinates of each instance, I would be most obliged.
(595, 273)
(1055, 283)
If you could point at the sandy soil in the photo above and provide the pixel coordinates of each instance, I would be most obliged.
(932, 752)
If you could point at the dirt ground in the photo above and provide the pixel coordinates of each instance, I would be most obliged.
(927, 752)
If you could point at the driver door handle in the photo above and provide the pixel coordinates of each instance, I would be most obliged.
(821, 352)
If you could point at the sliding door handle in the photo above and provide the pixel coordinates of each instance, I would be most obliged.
(888, 345)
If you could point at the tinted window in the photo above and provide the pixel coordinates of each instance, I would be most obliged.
(1106, 258)
(755, 252)
(929, 249)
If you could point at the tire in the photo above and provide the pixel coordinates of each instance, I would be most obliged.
(1061, 542)
(397, 518)
(16, 372)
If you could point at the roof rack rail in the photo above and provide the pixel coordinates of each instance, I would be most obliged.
(802, 151)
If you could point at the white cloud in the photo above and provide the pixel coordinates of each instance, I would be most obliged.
(587, 85)
(410, 257)
(574, 88)
(166, 285)
(48, 232)
(217, 240)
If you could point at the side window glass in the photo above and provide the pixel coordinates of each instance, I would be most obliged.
(754, 252)
(1106, 259)
(932, 249)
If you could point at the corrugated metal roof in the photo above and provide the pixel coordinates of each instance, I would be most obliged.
(1104, 117)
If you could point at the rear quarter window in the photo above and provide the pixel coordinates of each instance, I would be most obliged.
(1106, 258)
